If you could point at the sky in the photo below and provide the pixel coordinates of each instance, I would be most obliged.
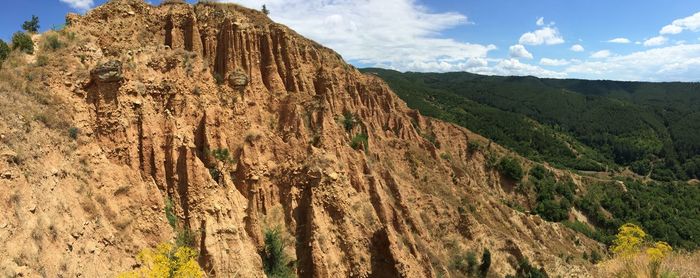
(638, 40)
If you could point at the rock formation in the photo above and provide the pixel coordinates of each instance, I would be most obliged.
(155, 90)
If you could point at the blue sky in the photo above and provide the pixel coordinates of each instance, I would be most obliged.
(654, 40)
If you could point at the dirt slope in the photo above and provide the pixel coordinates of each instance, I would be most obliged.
(154, 90)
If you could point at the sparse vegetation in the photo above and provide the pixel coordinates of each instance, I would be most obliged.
(73, 133)
(215, 174)
(252, 136)
(166, 260)
(223, 155)
(348, 121)
(23, 42)
(52, 42)
(4, 52)
(265, 10)
(42, 60)
(639, 256)
(170, 213)
(526, 270)
(474, 146)
(359, 142)
(276, 263)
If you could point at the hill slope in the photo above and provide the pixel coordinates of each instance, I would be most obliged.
(246, 127)
(587, 125)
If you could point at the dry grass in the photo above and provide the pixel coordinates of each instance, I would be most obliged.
(676, 264)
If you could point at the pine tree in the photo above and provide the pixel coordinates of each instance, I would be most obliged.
(31, 26)
(265, 10)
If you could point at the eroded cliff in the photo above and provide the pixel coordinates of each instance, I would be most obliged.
(155, 91)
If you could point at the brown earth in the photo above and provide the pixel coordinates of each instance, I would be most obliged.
(149, 92)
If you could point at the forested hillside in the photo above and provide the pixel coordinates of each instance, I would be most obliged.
(650, 128)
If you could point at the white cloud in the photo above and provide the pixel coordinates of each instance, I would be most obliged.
(553, 62)
(671, 30)
(519, 51)
(677, 62)
(577, 48)
(620, 40)
(397, 34)
(601, 54)
(546, 35)
(540, 21)
(510, 67)
(82, 5)
(691, 23)
(656, 41)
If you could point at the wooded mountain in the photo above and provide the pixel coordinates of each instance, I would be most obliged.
(650, 128)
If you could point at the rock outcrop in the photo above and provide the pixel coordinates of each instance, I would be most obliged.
(169, 85)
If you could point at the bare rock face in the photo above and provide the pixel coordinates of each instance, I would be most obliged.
(401, 207)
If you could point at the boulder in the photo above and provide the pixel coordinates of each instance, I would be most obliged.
(109, 72)
(238, 79)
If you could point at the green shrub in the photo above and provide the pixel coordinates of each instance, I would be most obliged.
(485, 263)
(4, 51)
(222, 155)
(73, 132)
(51, 42)
(276, 263)
(511, 168)
(215, 174)
(185, 237)
(465, 264)
(42, 60)
(539, 172)
(348, 121)
(359, 141)
(170, 213)
(23, 42)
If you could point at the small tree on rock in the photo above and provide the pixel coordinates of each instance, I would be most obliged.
(31, 26)
(265, 10)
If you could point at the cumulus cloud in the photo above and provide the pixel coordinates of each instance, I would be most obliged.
(545, 35)
(82, 5)
(515, 67)
(519, 51)
(691, 23)
(620, 40)
(553, 62)
(656, 41)
(397, 34)
(601, 54)
(577, 48)
(540, 21)
(677, 62)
